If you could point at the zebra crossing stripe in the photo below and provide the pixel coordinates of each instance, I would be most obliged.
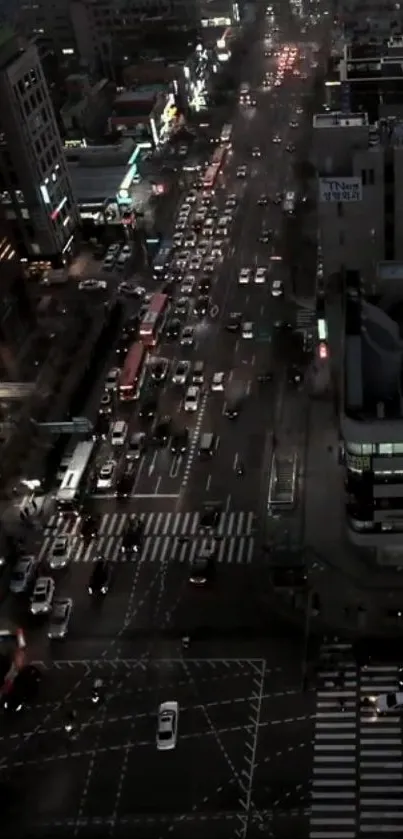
(160, 524)
(358, 758)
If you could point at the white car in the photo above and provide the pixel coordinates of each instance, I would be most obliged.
(188, 285)
(22, 574)
(92, 285)
(60, 618)
(247, 330)
(42, 596)
(231, 202)
(276, 139)
(192, 399)
(177, 238)
(167, 726)
(217, 383)
(241, 172)
(244, 276)
(60, 554)
(112, 379)
(203, 247)
(192, 197)
(131, 290)
(277, 289)
(216, 252)
(181, 373)
(106, 475)
(260, 276)
(388, 703)
(195, 262)
(187, 337)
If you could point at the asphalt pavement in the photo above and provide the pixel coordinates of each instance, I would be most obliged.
(245, 725)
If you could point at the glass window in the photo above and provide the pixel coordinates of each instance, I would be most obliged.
(385, 448)
(367, 448)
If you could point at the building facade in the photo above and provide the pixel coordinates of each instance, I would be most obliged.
(35, 188)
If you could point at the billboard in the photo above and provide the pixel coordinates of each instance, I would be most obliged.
(383, 69)
(340, 190)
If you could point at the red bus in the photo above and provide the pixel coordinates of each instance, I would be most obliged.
(132, 375)
(210, 178)
(154, 319)
(219, 156)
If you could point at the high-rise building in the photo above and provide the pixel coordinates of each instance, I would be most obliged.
(35, 189)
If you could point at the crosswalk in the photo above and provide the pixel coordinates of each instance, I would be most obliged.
(168, 537)
(357, 784)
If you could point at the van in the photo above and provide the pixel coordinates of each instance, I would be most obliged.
(198, 373)
(119, 433)
(208, 444)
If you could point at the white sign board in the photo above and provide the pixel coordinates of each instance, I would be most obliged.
(340, 190)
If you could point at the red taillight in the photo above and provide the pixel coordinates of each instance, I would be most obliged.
(323, 350)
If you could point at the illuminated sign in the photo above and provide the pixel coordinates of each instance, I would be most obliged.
(340, 190)
(384, 69)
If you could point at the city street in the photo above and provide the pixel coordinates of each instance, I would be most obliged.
(241, 766)
(237, 717)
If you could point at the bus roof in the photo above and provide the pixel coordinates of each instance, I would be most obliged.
(133, 361)
(75, 471)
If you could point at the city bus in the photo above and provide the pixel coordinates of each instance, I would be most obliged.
(73, 484)
(210, 178)
(154, 319)
(162, 259)
(219, 156)
(226, 134)
(133, 372)
(289, 203)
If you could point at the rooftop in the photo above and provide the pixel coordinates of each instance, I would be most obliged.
(92, 185)
(337, 119)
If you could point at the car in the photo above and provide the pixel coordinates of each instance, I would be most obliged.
(202, 306)
(127, 479)
(92, 285)
(108, 262)
(131, 289)
(233, 324)
(192, 399)
(106, 475)
(256, 151)
(112, 379)
(60, 618)
(101, 577)
(161, 432)
(169, 289)
(60, 553)
(232, 408)
(22, 574)
(187, 337)
(180, 441)
(149, 407)
(133, 537)
(177, 238)
(217, 383)
(201, 571)
(265, 235)
(263, 200)
(181, 372)
(24, 689)
(277, 288)
(181, 307)
(199, 220)
(276, 139)
(106, 404)
(241, 172)
(204, 286)
(188, 285)
(209, 265)
(293, 124)
(290, 148)
(216, 251)
(190, 240)
(260, 276)
(203, 247)
(136, 446)
(294, 375)
(231, 202)
(388, 703)
(173, 329)
(195, 262)
(159, 369)
(278, 198)
(167, 726)
(89, 526)
(42, 596)
(192, 196)
(247, 330)
(211, 516)
(244, 276)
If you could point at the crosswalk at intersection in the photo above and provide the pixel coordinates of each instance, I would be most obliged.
(357, 784)
(169, 537)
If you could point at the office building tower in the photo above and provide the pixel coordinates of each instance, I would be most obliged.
(35, 189)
